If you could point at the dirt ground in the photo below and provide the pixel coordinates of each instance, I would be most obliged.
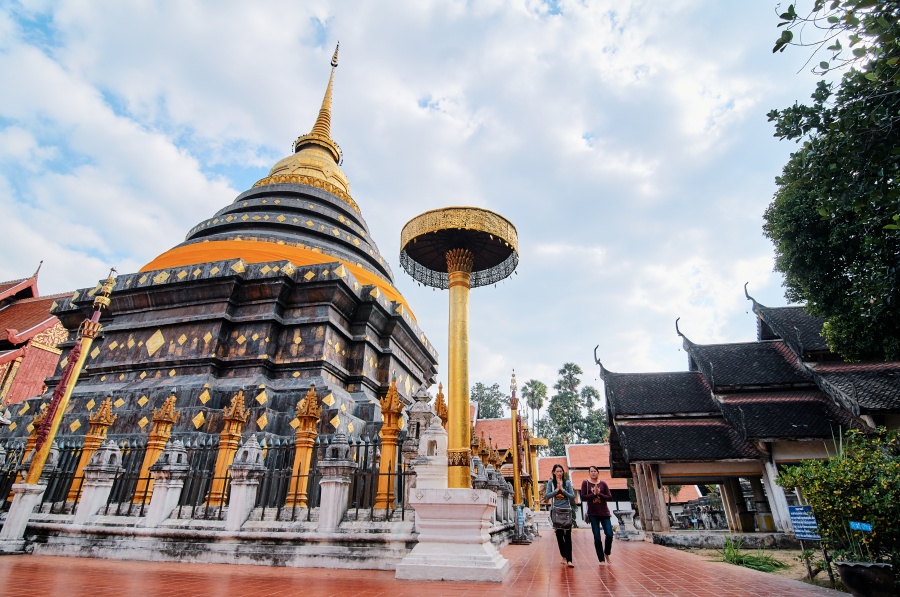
(796, 568)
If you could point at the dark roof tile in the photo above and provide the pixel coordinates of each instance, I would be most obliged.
(653, 393)
(785, 415)
(875, 386)
(748, 364)
(796, 326)
(683, 440)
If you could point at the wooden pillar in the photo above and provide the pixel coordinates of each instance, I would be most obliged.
(659, 497)
(391, 406)
(100, 423)
(640, 490)
(730, 505)
(163, 419)
(308, 412)
(229, 438)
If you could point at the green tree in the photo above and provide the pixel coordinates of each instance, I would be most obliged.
(565, 405)
(556, 444)
(490, 400)
(595, 428)
(590, 395)
(534, 392)
(835, 219)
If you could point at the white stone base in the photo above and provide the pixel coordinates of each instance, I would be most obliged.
(454, 537)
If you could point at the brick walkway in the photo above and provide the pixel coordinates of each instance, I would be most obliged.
(637, 569)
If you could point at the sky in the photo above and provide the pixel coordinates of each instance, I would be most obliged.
(626, 140)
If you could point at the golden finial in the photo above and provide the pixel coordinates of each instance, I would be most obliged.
(166, 413)
(335, 55)
(391, 402)
(309, 404)
(102, 300)
(320, 135)
(104, 415)
(440, 407)
(236, 411)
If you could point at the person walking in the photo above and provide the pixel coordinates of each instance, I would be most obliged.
(560, 494)
(595, 493)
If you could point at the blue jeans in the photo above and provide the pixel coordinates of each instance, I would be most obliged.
(599, 547)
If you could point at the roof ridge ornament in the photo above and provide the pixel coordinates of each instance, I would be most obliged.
(603, 370)
(320, 135)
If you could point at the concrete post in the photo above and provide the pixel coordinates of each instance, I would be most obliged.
(248, 467)
(336, 469)
(777, 499)
(99, 476)
(168, 474)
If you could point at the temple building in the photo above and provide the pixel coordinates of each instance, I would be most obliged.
(281, 290)
(29, 335)
(739, 413)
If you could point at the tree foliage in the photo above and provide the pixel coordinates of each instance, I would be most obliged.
(490, 399)
(861, 484)
(835, 219)
(535, 393)
(571, 417)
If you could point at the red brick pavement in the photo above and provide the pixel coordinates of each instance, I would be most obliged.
(636, 569)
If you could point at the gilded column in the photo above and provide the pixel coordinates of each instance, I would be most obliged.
(459, 270)
(514, 416)
(100, 423)
(163, 420)
(391, 407)
(89, 330)
(229, 439)
(308, 412)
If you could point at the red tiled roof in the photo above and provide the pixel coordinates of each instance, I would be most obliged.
(587, 455)
(26, 317)
(546, 464)
(687, 493)
(499, 431)
(12, 287)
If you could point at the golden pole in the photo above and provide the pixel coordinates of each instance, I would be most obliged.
(391, 408)
(89, 330)
(308, 413)
(100, 423)
(459, 268)
(514, 415)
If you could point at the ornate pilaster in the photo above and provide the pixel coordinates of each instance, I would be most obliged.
(100, 423)
(516, 441)
(440, 406)
(308, 413)
(459, 272)
(235, 416)
(391, 408)
(163, 420)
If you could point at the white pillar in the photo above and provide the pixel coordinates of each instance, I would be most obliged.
(334, 488)
(245, 473)
(777, 499)
(99, 476)
(169, 472)
(23, 504)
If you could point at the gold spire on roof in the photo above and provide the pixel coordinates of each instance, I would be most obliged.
(316, 158)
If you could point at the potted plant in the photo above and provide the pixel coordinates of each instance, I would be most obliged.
(854, 496)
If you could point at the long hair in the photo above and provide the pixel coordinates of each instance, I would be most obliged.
(565, 475)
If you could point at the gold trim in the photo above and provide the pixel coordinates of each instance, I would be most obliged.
(313, 182)
(45, 347)
(458, 457)
(460, 218)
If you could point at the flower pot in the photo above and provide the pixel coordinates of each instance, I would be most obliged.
(863, 579)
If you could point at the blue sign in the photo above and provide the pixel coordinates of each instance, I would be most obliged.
(860, 526)
(804, 522)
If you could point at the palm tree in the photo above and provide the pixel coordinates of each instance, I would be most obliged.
(534, 392)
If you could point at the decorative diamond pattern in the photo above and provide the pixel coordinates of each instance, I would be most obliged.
(294, 423)
(335, 421)
(207, 337)
(161, 277)
(215, 270)
(75, 426)
(238, 267)
(95, 352)
(328, 400)
(350, 427)
(90, 404)
(155, 342)
(118, 403)
(204, 396)
(262, 421)
(143, 400)
(262, 398)
(309, 275)
(182, 275)
(113, 345)
(265, 269)
(241, 339)
(182, 339)
(143, 422)
(198, 420)
(130, 343)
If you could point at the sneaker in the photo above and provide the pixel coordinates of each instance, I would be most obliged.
(570, 564)
(607, 559)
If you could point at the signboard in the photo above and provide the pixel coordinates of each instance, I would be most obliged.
(860, 526)
(804, 521)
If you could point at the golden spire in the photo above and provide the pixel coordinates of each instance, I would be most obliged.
(320, 134)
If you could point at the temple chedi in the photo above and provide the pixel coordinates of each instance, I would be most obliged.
(281, 290)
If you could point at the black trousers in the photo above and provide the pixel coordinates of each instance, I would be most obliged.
(599, 547)
(564, 541)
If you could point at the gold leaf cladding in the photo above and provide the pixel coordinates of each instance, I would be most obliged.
(75, 426)
(113, 345)
(143, 422)
(118, 403)
(172, 373)
(13, 426)
(328, 400)
(288, 269)
(238, 267)
(402, 424)
(63, 363)
(143, 400)
(197, 272)
(130, 343)
(75, 296)
(265, 269)
(281, 218)
(142, 279)
(309, 276)
(468, 218)
(241, 339)
(90, 404)
(262, 398)
(335, 422)
(182, 275)
(25, 408)
(182, 339)
(155, 342)
(350, 427)
(262, 421)
(95, 352)
(294, 423)
(121, 376)
(343, 408)
(198, 420)
(143, 374)
(207, 337)
(298, 337)
(255, 337)
(161, 277)
(335, 232)
(214, 270)
(296, 374)
(204, 396)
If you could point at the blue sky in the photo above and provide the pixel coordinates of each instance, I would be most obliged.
(627, 141)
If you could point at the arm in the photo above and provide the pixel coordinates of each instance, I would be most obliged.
(605, 493)
(568, 491)
(585, 494)
(551, 491)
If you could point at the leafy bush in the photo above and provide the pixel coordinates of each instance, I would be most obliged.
(861, 483)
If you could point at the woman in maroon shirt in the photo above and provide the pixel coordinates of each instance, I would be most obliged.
(595, 493)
